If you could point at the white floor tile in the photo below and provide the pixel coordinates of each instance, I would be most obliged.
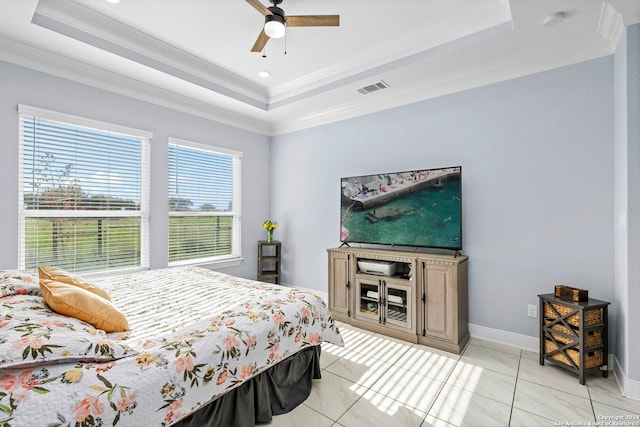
(552, 376)
(462, 408)
(551, 403)
(520, 418)
(327, 357)
(417, 391)
(359, 368)
(605, 390)
(431, 421)
(379, 381)
(486, 358)
(374, 345)
(333, 395)
(377, 410)
(606, 413)
(503, 348)
(427, 361)
(483, 382)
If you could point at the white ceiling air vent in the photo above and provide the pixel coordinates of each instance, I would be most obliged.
(373, 87)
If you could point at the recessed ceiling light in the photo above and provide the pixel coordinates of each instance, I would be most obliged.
(264, 74)
(113, 1)
(553, 19)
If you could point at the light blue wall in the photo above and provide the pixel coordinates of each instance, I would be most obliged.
(538, 177)
(633, 133)
(23, 86)
(537, 169)
(627, 200)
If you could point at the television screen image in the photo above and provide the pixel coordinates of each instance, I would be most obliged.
(412, 208)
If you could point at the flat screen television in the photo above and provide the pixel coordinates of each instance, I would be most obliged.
(411, 208)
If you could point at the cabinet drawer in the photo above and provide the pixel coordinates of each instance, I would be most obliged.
(591, 338)
(591, 317)
(592, 359)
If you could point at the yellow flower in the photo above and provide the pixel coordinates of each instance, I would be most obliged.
(145, 359)
(270, 225)
(71, 376)
(254, 316)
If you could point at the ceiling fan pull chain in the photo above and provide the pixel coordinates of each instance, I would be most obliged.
(285, 43)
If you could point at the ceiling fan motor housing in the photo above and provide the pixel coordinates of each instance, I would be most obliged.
(276, 11)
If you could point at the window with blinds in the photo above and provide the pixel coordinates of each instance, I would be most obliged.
(83, 193)
(204, 203)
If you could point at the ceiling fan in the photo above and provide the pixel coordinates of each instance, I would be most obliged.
(275, 21)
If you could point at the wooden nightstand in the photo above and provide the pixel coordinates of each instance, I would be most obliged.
(269, 260)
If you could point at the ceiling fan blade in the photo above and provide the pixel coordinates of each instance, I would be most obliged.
(262, 40)
(313, 20)
(259, 7)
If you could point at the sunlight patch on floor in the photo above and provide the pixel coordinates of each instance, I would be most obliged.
(453, 402)
(416, 381)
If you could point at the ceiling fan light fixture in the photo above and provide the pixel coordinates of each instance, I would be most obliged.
(274, 26)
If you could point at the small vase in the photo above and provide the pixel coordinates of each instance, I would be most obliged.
(269, 236)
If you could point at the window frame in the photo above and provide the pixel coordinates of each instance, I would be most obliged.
(145, 137)
(220, 261)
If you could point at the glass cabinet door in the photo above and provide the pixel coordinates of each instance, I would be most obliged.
(368, 299)
(398, 305)
(386, 301)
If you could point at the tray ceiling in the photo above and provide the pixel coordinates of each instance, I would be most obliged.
(194, 55)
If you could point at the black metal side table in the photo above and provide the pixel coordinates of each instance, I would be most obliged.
(574, 335)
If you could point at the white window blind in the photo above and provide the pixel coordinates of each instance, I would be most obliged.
(84, 193)
(204, 203)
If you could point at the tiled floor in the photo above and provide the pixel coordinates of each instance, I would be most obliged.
(379, 381)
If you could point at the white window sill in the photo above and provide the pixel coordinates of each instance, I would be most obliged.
(210, 263)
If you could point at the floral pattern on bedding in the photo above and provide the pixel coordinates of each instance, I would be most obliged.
(19, 282)
(32, 334)
(180, 368)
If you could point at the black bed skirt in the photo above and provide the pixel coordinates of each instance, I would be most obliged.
(275, 391)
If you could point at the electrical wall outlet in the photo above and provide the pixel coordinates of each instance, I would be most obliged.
(532, 310)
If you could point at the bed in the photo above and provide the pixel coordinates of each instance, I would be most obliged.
(203, 348)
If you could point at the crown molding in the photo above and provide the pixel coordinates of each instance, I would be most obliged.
(478, 17)
(88, 26)
(370, 74)
(28, 56)
(514, 66)
(523, 63)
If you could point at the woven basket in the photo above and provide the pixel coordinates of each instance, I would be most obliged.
(591, 339)
(591, 317)
(591, 359)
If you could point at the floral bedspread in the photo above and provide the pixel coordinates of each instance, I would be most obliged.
(195, 334)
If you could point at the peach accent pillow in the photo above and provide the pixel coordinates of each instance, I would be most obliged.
(60, 275)
(76, 302)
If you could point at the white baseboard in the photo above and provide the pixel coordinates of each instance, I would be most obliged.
(524, 342)
(628, 387)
